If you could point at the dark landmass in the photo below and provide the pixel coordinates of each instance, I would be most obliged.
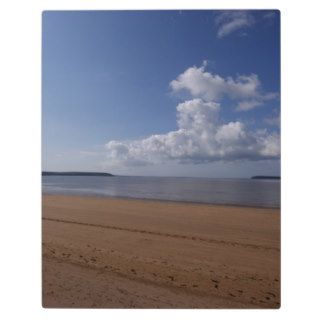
(266, 177)
(75, 173)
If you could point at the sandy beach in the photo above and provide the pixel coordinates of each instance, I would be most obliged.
(123, 253)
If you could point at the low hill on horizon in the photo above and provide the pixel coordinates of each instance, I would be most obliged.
(76, 173)
(267, 177)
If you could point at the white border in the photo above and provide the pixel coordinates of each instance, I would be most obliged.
(20, 160)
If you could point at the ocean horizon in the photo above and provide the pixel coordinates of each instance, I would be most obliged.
(220, 191)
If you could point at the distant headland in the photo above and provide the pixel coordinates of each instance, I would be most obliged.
(76, 173)
(266, 177)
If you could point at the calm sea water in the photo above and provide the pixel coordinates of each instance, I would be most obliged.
(245, 192)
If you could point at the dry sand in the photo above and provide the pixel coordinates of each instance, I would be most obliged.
(121, 253)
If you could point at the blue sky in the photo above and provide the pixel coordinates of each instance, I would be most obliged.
(186, 93)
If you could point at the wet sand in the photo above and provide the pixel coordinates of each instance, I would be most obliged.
(122, 253)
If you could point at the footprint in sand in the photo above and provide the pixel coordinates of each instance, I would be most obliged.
(271, 294)
(216, 283)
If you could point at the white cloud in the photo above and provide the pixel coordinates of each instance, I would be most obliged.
(231, 21)
(200, 137)
(248, 105)
(273, 121)
(271, 145)
(245, 89)
(199, 83)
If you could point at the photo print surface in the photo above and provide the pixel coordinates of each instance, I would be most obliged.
(161, 159)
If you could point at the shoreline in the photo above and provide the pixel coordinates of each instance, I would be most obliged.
(103, 252)
(158, 200)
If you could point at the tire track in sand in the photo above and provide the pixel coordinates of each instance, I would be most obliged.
(162, 234)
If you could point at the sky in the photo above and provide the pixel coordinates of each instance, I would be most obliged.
(161, 93)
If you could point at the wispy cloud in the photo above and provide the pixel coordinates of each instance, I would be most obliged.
(273, 121)
(231, 21)
(269, 15)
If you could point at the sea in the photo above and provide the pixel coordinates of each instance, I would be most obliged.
(238, 192)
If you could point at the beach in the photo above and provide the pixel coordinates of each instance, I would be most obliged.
(125, 253)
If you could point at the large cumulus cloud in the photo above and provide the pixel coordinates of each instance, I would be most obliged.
(201, 136)
(245, 90)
